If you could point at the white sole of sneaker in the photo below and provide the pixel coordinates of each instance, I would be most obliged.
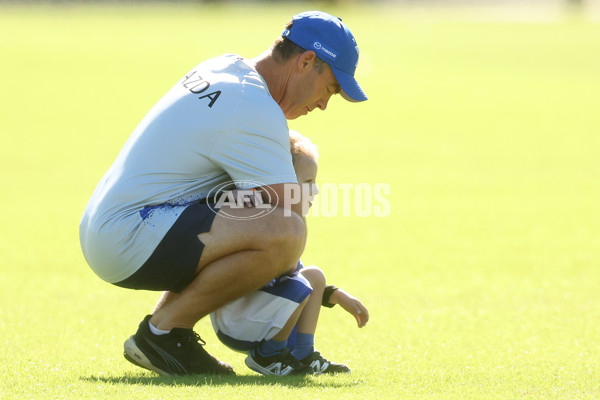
(134, 355)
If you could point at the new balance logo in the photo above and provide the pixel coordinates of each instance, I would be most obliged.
(280, 364)
(319, 367)
(276, 369)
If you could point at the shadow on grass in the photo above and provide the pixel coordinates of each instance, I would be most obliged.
(208, 380)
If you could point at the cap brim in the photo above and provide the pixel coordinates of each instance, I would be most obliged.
(351, 90)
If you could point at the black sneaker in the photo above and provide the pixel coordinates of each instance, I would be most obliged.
(280, 364)
(176, 353)
(320, 365)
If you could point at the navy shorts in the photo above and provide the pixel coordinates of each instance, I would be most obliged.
(172, 266)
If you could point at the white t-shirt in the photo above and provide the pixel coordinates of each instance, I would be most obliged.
(219, 123)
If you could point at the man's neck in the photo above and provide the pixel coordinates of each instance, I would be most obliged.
(276, 75)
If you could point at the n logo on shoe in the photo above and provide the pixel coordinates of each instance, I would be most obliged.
(319, 367)
(275, 369)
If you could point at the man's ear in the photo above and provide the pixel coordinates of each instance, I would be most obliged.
(306, 60)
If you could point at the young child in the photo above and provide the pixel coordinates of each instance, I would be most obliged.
(276, 325)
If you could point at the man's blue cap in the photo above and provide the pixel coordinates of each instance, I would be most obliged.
(333, 43)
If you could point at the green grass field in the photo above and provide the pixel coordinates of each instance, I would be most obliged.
(483, 281)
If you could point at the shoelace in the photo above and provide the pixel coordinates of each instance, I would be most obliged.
(195, 337)
(192, 338)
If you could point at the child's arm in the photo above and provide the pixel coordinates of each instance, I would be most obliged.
(348, 302)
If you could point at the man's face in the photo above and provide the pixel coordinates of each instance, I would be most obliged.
(308, 89)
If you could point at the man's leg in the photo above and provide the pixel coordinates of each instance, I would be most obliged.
(239, 256)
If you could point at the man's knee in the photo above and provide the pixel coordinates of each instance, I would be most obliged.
(285, 235)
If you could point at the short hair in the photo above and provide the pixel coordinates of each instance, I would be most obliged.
(301, 146)
(283, 49)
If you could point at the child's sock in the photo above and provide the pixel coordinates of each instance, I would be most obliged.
(270, 347)
(305, 343)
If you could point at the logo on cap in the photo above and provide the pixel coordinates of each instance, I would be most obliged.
(319, 46)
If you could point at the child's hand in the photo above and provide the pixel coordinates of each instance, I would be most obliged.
(352, 305)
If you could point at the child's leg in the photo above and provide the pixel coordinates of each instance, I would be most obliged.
(279, 341)
(271, 357)
(285, 332)
(307, 325)
(307, 322)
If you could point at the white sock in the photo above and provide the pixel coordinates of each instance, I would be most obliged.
(157, 331)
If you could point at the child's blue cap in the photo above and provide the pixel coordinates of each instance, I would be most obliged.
(333, 43)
